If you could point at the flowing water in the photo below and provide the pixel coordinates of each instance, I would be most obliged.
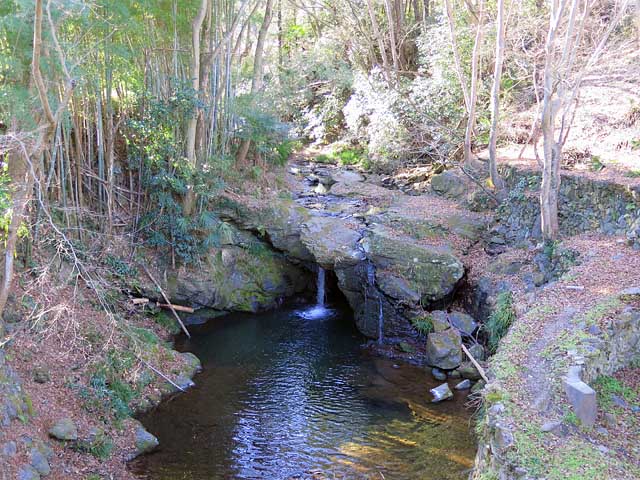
(288, 397)
(320, 285)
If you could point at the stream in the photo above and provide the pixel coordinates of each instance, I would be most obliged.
(292, 395)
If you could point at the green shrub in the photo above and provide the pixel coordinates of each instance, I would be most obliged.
(120, 267)
(423, 325)
(500, 320)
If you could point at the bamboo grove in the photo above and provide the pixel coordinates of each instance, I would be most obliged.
(138, 125)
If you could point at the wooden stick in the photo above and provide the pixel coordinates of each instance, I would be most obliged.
(178, 308)
(140, 301)
(475, 363)
(159, 373)
(166, 299)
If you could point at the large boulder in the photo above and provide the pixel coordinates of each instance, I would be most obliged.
(456, 185)
(428, 272)
(332, 242)
(244, 278)
(279, 221)
(444, 349)
(366, 300)
(451, 184)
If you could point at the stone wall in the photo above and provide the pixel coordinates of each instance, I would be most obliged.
(585, 205)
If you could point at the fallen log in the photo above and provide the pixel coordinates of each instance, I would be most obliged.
(177, 308)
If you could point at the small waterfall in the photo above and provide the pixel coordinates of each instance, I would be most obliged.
(321, 294)
(380, 321)
(319, 310)
(371, 285)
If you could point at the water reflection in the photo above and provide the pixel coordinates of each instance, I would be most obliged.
(288, 397)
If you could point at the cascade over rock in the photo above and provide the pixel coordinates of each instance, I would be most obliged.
(384, 276)
(387, 274)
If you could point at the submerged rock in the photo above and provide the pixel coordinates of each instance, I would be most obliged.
(438, 374)
(64, 429)
(444, 349)
(441, 393)
(463, 385)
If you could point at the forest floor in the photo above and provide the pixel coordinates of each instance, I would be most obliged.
(80, 361)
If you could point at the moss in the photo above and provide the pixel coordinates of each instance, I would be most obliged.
(602, 310)
(167, 321)
(494, 396)
(607, 387)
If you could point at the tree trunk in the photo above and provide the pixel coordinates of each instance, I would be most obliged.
(256, 81)
(456, 55)
(495, 98)
(473, 93)
(22, 183)
(637, 21)
(376, 33)
(196, 28)
(551, 149)
(390, 10)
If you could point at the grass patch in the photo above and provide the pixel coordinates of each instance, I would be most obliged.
(100, 447)
(602, 310)
(423, 324)
(608, 387)
(572, 419)
(167, 321)
(500, 320)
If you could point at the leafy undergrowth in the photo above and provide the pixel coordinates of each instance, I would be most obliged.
(345, 156)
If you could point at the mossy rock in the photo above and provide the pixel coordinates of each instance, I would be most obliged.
(430, 271)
